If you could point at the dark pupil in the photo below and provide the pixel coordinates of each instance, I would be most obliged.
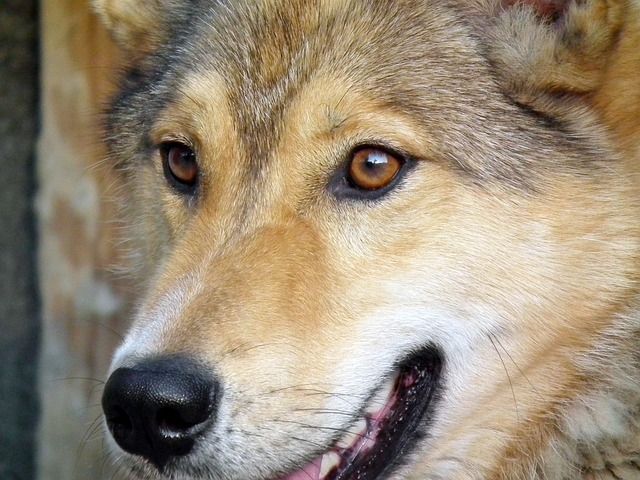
(375, 164)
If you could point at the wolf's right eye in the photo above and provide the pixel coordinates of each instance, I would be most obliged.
(180, 166)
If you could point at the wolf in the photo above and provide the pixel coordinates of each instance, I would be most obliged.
(378, 239)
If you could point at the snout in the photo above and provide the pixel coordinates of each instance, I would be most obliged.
(158, 408)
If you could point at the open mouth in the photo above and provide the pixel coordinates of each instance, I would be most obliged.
(382, 433)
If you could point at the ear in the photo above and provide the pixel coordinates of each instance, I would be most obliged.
(544, 48)
(138, 25)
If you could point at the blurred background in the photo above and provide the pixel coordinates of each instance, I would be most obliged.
(63, 305)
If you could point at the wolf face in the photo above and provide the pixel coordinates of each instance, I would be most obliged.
(379, 240)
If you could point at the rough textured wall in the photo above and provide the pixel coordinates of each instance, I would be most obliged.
(83, 303)
(19, 325)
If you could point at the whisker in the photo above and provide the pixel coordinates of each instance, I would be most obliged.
(513, 393)
(91, 379)
(300, 387)
(326, 411)
(96, 387)
(517, 367)
(344, 431)
(246, 347)
(93, 427)
(111, 330)
(306, 440)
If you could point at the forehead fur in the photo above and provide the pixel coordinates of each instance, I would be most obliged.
(423, 63)
(271, 51)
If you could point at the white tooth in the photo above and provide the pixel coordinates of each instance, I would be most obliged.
(347, 441)
(359, 430)
(329, 462)
(373, 409)
(361, 427)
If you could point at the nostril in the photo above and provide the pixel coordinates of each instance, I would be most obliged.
(117, 419)
(171, 423)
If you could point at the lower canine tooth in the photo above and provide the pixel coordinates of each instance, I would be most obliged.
(330, 461)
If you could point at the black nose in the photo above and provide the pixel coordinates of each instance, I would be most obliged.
(158, 408)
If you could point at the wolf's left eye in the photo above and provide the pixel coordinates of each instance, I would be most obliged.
(179, 165)
(372, 169)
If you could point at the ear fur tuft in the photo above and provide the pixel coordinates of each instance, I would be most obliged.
(550, 9)
(137, 25)
(553, 47)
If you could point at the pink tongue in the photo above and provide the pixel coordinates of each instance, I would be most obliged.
(310, 472)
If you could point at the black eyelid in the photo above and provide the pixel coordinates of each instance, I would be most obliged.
(394, 152)
(169, 144)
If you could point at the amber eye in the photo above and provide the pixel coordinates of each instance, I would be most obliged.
(179, 165)
(373, 169)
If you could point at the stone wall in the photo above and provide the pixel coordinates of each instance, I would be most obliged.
(19, 324)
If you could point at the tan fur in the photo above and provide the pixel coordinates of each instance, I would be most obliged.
(278, 289)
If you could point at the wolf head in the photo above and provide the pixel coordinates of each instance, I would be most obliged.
(389, 239)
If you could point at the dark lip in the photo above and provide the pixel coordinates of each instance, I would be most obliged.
(388, 439)
(414, 410)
